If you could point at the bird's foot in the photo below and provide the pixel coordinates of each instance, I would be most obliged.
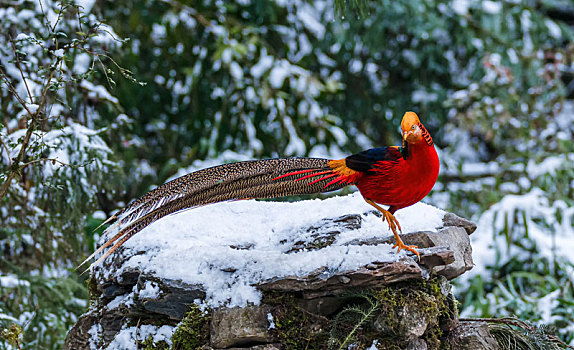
(411, 248)
(393, 225)
(392, 221)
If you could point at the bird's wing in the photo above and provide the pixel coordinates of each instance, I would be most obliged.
(350, 170)
(366, 160)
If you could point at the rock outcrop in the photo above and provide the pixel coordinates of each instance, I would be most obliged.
(382, 300)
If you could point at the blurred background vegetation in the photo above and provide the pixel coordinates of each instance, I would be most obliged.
(102, 100)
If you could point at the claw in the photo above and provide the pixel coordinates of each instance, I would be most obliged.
(393, 225)
(410, 248)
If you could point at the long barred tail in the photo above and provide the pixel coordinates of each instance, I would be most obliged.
(267, 178)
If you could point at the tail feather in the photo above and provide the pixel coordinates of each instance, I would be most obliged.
(206, 178)
(243, 180)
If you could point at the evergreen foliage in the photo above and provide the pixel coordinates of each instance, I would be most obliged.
(356, 315)
(53, 163)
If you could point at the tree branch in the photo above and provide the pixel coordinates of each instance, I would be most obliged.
(15, 168)
(53, 160)
(20, 68)
(12, 89)
(5, 147)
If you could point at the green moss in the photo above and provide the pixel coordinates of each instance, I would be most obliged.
(424, 296)
(149, 344)
(13, 336)
(300, 329)
(295, 328)
(93, 293)
(193, 331)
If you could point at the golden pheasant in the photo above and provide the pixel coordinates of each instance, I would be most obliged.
(394, 176)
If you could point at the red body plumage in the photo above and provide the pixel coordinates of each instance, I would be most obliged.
(393, 176)
(402, 182)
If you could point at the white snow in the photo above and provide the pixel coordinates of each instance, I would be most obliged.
(492, 7)
(158, 32)
(374, 345)
(11, 281)
(21, 36)
(82, 63)
(424, 96)
(97, 92)
(296, 145)
(251, 239)
(128, 338)
(460, 6)
(86, 5)
(121, 300)
(150, 290)
(32, 107)
(278, 74)
(307, 14)
(95, 333)
(265, 62)
(8, 318)
(547, 304)
(515, 213)
(549, 165)
(355, 66)
(73, 144)
(553, 28)
(271, 322)
(236, 71)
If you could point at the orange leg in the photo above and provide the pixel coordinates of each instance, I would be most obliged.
(393, 225)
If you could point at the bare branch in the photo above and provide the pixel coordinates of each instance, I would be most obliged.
(15, 170)
(41, 160)
(20, 68)
(5, 147)
(12, 89)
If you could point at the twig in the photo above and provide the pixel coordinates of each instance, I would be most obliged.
(12, 89)
(5, 147)
(53, 160)
(15, 168)
(20, 67)
(57, 21)
(44, 14)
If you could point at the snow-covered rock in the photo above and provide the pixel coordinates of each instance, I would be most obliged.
(234, 255)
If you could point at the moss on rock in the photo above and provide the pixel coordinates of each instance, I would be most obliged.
(394, 316)
(296, 328)
(193, 331)
(149, 344)
(408, 309)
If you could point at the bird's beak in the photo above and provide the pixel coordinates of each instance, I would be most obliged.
(405, 134)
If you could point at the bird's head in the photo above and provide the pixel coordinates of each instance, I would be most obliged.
(413, 131)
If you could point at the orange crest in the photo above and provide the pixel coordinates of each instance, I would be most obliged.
(409, 119)
(413, 130)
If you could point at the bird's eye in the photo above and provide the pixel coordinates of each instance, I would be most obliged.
(414, 126)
